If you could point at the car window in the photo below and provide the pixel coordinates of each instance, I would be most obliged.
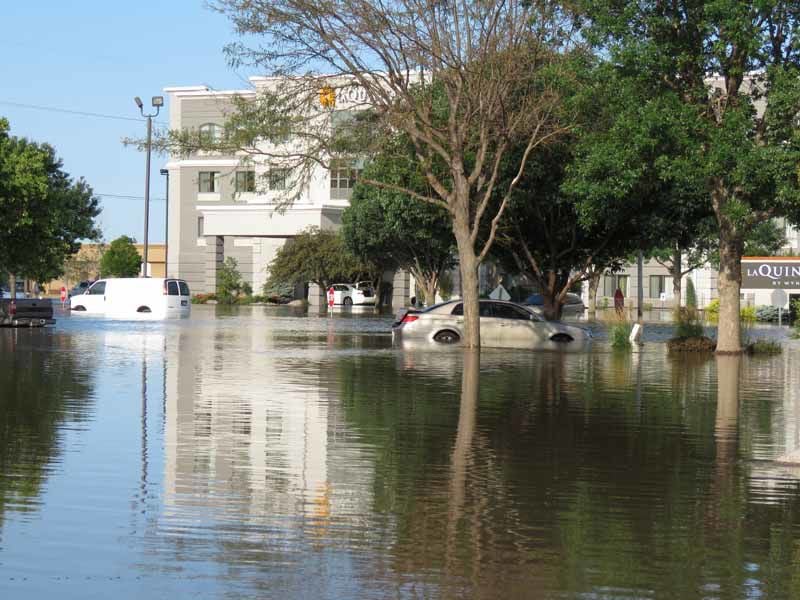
(509, 311)
(172, 288)
(98, 289)
(340, 288)
(184, 287)
(485, 309)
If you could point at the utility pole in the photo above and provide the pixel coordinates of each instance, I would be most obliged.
(158, 102)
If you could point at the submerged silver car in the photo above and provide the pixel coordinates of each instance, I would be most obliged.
(503, 325)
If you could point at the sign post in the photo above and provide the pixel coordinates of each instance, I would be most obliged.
(63, 296)
(330, 298)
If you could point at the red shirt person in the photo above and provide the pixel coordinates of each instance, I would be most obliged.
(619, 300)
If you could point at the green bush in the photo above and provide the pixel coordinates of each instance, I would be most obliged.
(687, 323)
(619, 335)
(691, 294)
(747, 314)
(203, 298)
(712, 310)
(229, 283)
(764, 347)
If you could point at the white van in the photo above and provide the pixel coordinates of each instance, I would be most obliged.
(134, 298)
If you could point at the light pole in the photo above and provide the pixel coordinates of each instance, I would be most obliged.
(165, 173)
(158, 102)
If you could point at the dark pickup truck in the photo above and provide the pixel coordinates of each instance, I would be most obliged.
(26, 312)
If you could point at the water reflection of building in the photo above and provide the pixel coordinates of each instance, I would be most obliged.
(250, 430)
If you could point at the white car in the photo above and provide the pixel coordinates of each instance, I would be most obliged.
(132, 298)
(347, 294)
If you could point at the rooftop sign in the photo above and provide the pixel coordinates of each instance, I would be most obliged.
(770, 273)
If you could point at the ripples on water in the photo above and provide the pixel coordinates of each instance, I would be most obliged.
(261, 452)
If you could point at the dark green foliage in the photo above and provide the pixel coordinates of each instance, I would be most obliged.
(316, 256)
(391, 229)
(687, 323)
(691, 295)
(121, 259)
(43, 211)
(230, 287)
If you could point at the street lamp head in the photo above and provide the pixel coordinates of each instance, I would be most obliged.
(158, 101)
(164, 171)
(138, 102)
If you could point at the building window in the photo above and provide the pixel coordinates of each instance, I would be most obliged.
(343, 175)
(657, 285)
(208, 181)
(200, 227)
(612, 282)
(210, 132)
(277, 179)
(245, 181)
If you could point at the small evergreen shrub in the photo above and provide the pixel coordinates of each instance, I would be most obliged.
(687, 323)
(764, 347)
(691, 294)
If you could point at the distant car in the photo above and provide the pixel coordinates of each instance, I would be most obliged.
(503, 325)
(79, 288)
(347, 294)
(5, 291)
(573, 305)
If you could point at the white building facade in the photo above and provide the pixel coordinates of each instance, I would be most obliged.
(236, 205)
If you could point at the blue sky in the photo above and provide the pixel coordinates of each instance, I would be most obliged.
(95, 56)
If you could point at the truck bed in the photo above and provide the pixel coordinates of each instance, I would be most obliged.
(26, 312)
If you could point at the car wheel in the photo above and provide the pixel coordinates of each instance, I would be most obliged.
(347, 302)
(143, 309)
(80, 308)
(446, 337)
(561, 337)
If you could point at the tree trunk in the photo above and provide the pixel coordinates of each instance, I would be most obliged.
(594, 283)
(553, 300)
(729, 331)
(468, 267)
(676, 278)
(12, 286)
(379, 293)
(429, 287)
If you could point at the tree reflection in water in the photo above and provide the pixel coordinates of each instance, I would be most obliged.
(43, 386)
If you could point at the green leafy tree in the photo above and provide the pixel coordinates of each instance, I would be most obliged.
(43, 211)
(121, 259)
(317, 256)
(386, 226)
(733, 68)
(229, 282)
(464, 82)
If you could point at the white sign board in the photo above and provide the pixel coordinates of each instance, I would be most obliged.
(500, 293)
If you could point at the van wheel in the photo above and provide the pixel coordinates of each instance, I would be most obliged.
(143, 309)
(562, 338)
(347, 301)
(446, 337)
(79, 308)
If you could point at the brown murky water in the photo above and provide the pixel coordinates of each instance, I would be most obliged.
(261, 453)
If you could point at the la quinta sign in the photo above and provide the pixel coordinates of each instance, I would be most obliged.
(770, 273)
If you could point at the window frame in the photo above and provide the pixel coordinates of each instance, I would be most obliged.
(210, 178)
(244, 181)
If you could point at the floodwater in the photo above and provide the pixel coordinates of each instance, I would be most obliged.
(264, 453)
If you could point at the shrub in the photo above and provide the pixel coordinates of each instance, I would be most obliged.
(712, 310)
(619, 332)
(687, 323)
(767, 313)
(764, 347)
(229, 283)
(691, 294)
(203, 298)
(277, 293)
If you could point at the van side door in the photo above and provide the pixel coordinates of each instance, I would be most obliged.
(95, 297)
(173, 295)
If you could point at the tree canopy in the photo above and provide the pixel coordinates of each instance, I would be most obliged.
(390, 227)
(317, 256)
(121, 259)
(44, 213)
(732, 68)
